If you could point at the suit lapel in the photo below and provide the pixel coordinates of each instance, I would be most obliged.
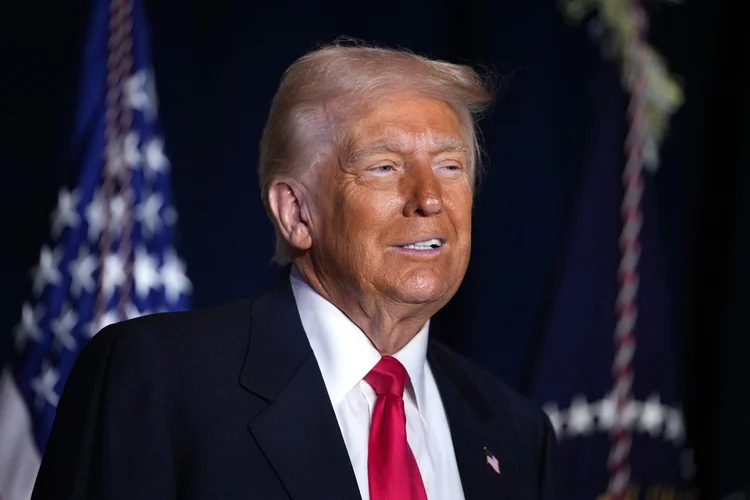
(469, 420)
(298, 431)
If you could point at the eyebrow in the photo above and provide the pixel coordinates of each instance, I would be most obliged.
(444, 145)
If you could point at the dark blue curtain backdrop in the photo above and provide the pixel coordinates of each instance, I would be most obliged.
(217, 66)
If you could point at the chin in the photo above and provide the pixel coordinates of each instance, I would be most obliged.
(422, 288)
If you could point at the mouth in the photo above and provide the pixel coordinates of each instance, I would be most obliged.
(428, 245)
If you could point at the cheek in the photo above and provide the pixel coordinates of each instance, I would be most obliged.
(369, 213)
(459, 203)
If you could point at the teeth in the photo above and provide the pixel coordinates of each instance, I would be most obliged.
(425, 245)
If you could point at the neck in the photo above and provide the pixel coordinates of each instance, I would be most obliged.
(389, 325)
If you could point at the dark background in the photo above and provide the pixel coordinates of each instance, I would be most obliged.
(218, 63)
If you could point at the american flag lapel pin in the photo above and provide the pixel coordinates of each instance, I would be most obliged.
(492, 461)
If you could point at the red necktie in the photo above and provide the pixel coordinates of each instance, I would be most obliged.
(391, 467)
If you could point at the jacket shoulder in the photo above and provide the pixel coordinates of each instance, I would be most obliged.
(175, 341)
(184, 327)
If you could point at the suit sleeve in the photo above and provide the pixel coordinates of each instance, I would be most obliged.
(548, 473)
(109, 439)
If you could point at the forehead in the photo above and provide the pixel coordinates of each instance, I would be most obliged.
(407, 121)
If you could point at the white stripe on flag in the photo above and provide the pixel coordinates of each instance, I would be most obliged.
(19, 457)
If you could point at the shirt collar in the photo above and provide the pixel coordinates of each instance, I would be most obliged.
(344, 353)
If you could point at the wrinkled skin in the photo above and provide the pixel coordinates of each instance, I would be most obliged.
(402, 176)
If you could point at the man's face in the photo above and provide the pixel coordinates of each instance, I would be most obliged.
(393, 214)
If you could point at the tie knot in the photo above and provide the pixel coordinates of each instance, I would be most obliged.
(388, 377)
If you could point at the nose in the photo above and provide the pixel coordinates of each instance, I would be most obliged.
(424, 195)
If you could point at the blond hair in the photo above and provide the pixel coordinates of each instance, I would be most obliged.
(320, 89)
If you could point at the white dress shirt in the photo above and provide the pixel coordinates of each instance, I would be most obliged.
(345, 355)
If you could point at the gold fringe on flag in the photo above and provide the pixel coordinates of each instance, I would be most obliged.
(662, 92)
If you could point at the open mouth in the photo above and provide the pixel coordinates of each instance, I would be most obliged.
(431, 244)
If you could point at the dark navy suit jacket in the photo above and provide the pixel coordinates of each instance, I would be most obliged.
(229, 403)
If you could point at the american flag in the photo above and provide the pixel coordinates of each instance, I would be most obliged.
(110, 254)
(492, 461)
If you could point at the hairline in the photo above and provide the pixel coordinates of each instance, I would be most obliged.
(338, 140)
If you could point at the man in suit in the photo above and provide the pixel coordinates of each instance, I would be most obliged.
(327, 386)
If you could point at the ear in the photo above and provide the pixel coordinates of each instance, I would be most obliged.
(287, 202)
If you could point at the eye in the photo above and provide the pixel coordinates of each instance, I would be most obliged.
(450, 168)
(382, 169)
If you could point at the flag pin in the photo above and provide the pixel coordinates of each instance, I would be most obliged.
(492, 461)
